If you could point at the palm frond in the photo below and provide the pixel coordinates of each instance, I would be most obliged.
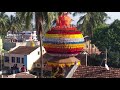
(80, 19)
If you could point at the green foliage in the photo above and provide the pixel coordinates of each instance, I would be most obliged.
(108, 37)
(45, 17)
(95, 60)
(90, 21)
(12, 23)
(43, 20)
(25, 18)
(3, 23)
(99, 38)
(114, 59)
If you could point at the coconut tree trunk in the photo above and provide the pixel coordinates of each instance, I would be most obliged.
(41, 50)
(89, 47)
(39, 27)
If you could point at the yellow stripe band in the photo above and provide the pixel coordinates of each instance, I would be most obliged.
(62, 65)
(63, 36)
(63, 45)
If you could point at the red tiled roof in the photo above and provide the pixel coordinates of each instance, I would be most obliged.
(96, 72)
(24, 50)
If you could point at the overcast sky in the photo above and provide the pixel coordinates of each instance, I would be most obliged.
(113, 15)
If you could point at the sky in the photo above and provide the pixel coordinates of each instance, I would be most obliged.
(113, 15)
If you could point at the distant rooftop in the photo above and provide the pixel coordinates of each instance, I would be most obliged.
(47, 57)
(24, 50)
(19, 75)
(96, 72)
(25, 75)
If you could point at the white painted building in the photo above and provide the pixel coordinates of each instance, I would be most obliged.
(23, 55)
(29, 35)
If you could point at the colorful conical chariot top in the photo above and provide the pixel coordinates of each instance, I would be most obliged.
(63, 39)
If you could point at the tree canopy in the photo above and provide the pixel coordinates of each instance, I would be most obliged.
(108, 37)
(3, 23)
(12, 23)
(90, 21)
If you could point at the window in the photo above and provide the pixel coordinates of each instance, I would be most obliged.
(38, 65)
(18, 59)
(34, 65)
(22, 60)
(38, 53)
(6, 59)
(86, 46)
(92, 46)
(13, 59)
(95, 50)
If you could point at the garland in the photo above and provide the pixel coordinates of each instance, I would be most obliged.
(67, 52)
(59, 51)
(63, 45)
(63, 32)
(63, 42)
(64, 49)
(57, 42)
(62, 55)
(63, 36)
(63, 28)
(62, 65)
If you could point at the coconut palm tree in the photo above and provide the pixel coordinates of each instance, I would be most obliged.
(90, 21)
(43, 21)
(25, 19)
(14, 24)
(46, 18)
(3, 22)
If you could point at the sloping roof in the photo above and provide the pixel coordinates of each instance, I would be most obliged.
(24, 50)
(66, 60)
(47, 57)
(96, 72)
